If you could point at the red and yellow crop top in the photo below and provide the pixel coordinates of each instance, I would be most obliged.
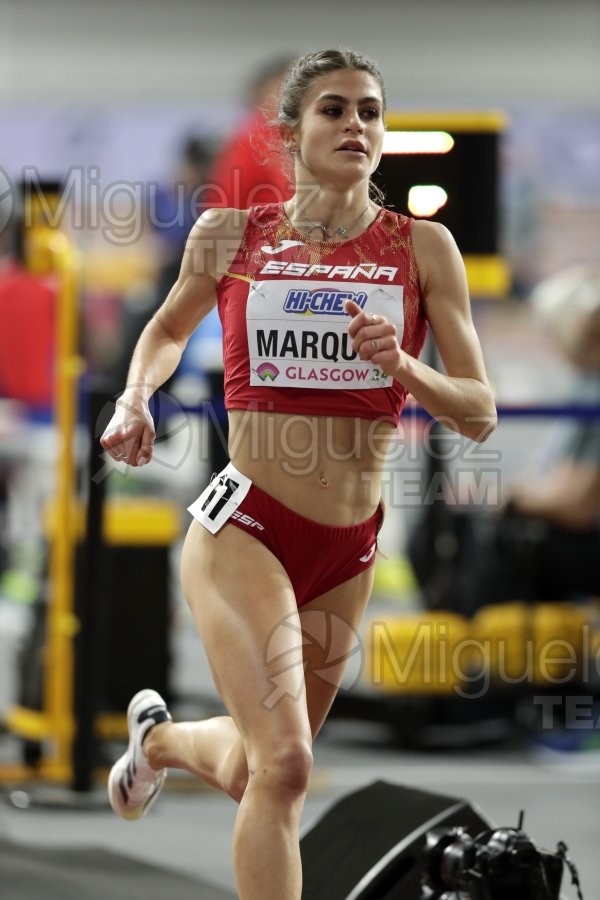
(286, 346)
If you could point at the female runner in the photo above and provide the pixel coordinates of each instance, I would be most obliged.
(324, 302)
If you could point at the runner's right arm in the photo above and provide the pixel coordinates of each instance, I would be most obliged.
(130, 434)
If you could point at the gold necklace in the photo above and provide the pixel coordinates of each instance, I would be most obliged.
(342, 231)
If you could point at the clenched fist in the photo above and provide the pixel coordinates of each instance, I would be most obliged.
(129, 436)
(374, 338)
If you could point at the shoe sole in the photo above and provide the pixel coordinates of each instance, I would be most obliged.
(146, 697)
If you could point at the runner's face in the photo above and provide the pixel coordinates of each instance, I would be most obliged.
(340, 136)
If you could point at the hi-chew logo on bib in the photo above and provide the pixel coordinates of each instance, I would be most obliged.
(322, 301)
(298, 336)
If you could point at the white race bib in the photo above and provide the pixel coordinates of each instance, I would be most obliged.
(219, 501)
(298, 333)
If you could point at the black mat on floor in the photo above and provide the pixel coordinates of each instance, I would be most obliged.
(46, 873)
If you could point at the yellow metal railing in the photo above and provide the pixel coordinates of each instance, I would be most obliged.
(53, 724)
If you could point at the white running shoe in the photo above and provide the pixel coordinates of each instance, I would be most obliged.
(133, 786)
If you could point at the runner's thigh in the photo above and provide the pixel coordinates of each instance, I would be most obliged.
(245, 610)
(332, 642)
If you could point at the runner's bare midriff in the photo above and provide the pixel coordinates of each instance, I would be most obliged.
(323, 467)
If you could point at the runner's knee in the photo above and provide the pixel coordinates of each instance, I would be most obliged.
(285, 769)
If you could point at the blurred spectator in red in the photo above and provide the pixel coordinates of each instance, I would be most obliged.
(27, 314)
(248, 171)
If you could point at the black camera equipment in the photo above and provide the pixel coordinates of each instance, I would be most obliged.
(495, 865)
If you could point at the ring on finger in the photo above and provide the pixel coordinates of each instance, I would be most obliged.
(375, 345)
